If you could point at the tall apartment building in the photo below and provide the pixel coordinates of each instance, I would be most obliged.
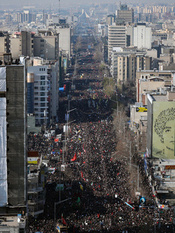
(65, 40)
(125, 14)
(21, 44)
(43, 87)
(4, 42)
(46, 45)
(26, 17)
(142, 36)
(13, 163)
(116, 37)
(125, 63)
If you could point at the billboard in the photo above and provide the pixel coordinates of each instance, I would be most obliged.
(141, 109)
(163, 144)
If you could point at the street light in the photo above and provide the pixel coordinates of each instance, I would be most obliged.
(66, 130)
(137, 166)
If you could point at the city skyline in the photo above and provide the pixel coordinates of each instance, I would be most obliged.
(68, 3)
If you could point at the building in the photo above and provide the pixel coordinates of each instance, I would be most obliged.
(126, 61)
(149, 81)
(21, 44)
(161, 144)
(26, 17)
(36, 183)
(65, 40)
(125, 14)
(138, 124)
(13, 175)
(110, 19)
(46, 45)
(161, 110)
(43, 88)
(37, 78)
(142, 36)
(4, 42)
(116, 38)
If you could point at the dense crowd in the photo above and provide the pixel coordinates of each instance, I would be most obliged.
(96, 180)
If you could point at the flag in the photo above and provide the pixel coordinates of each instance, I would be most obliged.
(81, 187)
(63, 220)
(74, 158)
(81, 174)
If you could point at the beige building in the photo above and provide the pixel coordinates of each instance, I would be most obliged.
(125, 14)
(46, 45)
(125, 63)
(21, 44)
(4, 42)
(152, 81)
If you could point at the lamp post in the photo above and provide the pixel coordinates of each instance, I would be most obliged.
(137, 166)
(66, 131)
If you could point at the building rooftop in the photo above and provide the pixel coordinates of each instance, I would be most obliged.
(11, 221)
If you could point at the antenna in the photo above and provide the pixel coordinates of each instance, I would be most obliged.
(43, 17)
(59, 12)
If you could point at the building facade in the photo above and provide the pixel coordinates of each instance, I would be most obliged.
(116, 38)
(13, 175)
(142, 36)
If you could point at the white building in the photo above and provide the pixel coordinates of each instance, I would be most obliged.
(116, 37)
(142, 36)
(46, 88)
(40, 76)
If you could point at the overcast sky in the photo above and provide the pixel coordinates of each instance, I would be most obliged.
(68, 3)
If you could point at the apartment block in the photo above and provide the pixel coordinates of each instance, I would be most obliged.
(21, 44)
(125, 62)
(13, 175)
(116, 37)
(125, 14)
(46, 45)
(43, 87)
(142, 36)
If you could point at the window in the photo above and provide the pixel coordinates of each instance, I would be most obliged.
(42, 77)
(42, 99)
(42, 69)
(42, 83)
(42, 40)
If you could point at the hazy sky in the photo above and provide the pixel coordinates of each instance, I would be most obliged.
(69, 3)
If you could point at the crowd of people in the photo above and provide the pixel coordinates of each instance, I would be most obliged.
(96, 181)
